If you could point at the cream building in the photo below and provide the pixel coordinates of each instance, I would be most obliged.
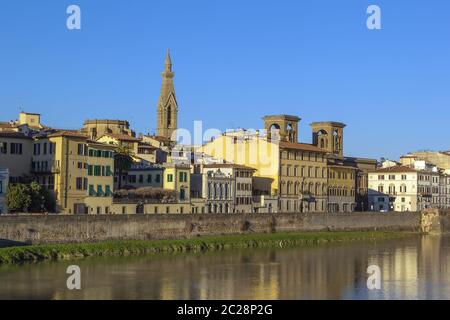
(403, 188)
(16, 154)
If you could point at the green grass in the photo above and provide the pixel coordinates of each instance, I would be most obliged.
(37, 253)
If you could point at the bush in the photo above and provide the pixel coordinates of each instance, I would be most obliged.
(30, 198)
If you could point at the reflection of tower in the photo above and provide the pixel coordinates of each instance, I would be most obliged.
(283, 125)
(167, 103)
(329, 136)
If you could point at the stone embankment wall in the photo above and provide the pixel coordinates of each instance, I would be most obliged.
(90, 228)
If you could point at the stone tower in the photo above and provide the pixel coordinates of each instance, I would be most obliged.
(329, 136)
(284, 125)
(167, 103)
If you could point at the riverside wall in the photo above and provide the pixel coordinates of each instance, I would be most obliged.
(92, 228)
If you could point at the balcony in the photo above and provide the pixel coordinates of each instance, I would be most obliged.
(45, 169)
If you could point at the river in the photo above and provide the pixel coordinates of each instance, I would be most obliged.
(411, 268)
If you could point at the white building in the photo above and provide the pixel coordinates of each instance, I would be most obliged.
(402, 188)
(4, 179)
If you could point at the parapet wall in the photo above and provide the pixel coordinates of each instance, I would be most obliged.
(90, 228)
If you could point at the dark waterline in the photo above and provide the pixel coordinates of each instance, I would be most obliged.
(412, 268)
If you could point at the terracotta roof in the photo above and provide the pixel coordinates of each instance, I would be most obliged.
(228, 165)
(101, 144)
(146, 146)
(121, 137)
(160, 138)
(396, 169)
(342, 166)
(68, 133)
(301, 146)
(6, 125)
(14, 135)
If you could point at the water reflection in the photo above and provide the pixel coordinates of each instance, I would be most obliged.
(413, 268)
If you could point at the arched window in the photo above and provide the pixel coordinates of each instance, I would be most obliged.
(169, 116)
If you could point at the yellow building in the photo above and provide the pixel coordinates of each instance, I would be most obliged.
(296, 172)
(177, 178)
(341, 188)
(82, 173)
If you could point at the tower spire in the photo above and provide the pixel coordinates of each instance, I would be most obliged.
(167, 103)
(168, 62)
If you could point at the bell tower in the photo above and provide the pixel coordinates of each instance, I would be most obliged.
(283, 127)
(329, 136)
(167, 102)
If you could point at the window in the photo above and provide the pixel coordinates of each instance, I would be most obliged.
(91, 190)
(79, 183)
(108, 191)
(100, 191)
(183, 177)
(392, 177)
(80, 165)
(4, 147)
(1, 186)
(45, 148)
(89, 170)
(170, 178)
(403, 176)
(141, 178)
(80, 149)
(158, 178)
(16, 148)
(381, 188)
(381, 177)
(149, 178)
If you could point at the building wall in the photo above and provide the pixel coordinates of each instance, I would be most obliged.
(172, 180)
(303, 181)
(141, 178)
(96, 128)
(243, 190)
(394, 199)
(150, 208)
(18, 164)
(255, 152)
(341, 189)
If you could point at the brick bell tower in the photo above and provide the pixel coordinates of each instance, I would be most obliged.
(167, 102)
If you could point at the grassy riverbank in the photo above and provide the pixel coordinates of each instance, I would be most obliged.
(37, 253)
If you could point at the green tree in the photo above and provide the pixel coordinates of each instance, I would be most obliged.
(30, 198)
(18, 198)
(123, 160)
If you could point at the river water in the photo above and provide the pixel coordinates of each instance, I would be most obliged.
(411, 268)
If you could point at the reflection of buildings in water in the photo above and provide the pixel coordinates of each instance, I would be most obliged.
(411, 268)
(434, 262)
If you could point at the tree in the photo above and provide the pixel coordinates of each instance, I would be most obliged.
(30, 198)
(18, 198)
(123, 160)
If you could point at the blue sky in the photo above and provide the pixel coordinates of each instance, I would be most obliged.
(236, 61)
